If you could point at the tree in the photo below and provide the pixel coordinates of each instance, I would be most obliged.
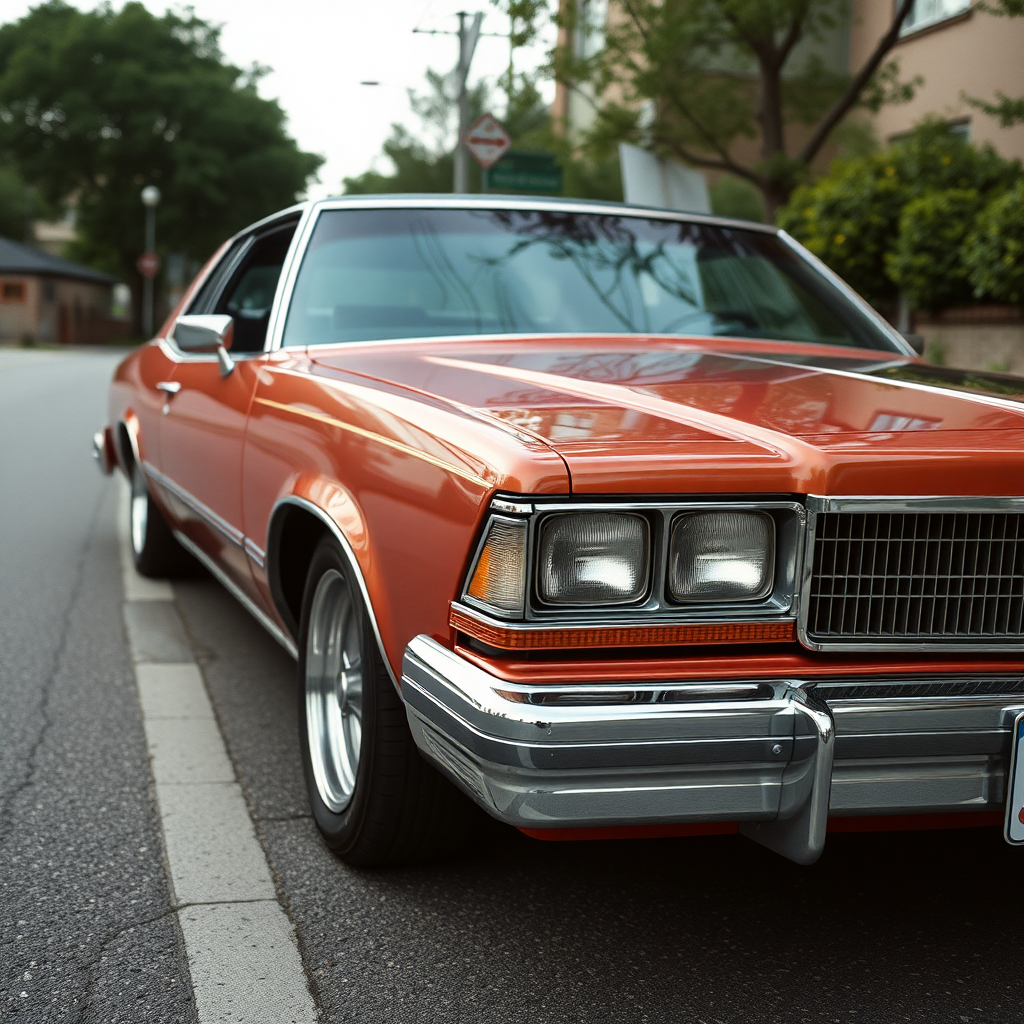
(881, 222)
(95, 105)
(994, 254)
(19, 204)
(696, 79)
(423, 162)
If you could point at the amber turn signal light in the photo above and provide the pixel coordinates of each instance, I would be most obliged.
(662, 635)
(499, 577)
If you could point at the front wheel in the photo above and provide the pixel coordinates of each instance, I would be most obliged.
(374, 799)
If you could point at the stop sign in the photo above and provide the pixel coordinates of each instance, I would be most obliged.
(148, 264)
(487, 140)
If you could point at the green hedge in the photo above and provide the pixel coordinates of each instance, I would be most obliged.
(900, 220)
(994, 253)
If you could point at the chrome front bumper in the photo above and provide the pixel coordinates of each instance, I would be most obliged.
(772, 755)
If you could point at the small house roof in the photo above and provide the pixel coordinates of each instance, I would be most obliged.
(16, 258)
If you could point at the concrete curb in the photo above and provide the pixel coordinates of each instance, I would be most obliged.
(242, 954)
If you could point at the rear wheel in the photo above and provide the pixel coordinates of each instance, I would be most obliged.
(374, 799)
(155, 552)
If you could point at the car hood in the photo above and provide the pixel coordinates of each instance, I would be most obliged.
(676, 415)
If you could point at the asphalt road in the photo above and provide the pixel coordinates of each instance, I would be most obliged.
(925, 926)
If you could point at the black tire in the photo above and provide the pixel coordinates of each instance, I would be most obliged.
(399, 808)
(155, 552)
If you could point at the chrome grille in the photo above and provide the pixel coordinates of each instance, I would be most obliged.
(889, 577)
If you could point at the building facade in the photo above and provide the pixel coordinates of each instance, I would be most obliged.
(958, 51)
(48, 300)
(955, 48)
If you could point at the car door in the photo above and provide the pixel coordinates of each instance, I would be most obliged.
(204, 426)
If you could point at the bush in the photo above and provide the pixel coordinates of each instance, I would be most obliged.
(851, 217)
(848, 219)
(926, 262)
(994, 253)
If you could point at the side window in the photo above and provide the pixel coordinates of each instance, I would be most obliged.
(249, 293)
(213, 284)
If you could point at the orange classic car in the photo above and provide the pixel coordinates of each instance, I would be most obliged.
(617, 521)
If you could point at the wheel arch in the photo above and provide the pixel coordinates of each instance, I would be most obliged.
(127, 444)
(297, 525)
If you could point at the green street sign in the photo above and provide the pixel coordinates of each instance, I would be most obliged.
(524, 172)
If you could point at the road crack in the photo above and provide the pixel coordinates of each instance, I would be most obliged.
(32, 758)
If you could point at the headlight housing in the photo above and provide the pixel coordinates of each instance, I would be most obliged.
(595, 558)
(552, 564)
(721, 556)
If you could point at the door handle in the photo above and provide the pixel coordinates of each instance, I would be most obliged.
(170, 388)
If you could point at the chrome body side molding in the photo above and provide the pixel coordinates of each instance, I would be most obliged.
(246, 602)
(221, 525)
(772, 755)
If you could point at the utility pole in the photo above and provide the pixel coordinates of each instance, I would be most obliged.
(150, 199)
(468, 38)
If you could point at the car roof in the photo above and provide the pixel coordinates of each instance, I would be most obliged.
(441, 200)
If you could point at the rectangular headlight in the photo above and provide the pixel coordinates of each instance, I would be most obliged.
(593, 558)
(721, 556)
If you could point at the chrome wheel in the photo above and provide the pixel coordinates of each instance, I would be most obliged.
(334, 690)
(139, 512)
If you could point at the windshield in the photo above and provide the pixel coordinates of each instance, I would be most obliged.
(410, 273)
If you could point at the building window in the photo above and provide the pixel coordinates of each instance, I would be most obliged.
(590, 31)
(12, 291)
(924, 13)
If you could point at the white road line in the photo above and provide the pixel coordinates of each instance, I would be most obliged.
(242, 955)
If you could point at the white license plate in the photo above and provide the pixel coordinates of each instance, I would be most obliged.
(1014, 831)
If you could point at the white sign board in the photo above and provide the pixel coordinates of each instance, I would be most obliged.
(487, 141)
(648, 181)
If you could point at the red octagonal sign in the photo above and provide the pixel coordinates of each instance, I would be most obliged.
(148, 264)
(487, 140)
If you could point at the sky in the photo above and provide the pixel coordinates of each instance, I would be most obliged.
(321, 50)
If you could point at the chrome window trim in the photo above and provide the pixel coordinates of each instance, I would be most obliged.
(229, 264)
(656, 608)
(312, 213)
(171, 350)
(289, 274)
(282, 295)
(878, 503)
(868, 311)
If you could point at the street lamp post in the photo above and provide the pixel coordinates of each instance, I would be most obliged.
(150, 199)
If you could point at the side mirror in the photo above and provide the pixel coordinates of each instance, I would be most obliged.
(915, 341)
(203, 333)
(207, 333)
